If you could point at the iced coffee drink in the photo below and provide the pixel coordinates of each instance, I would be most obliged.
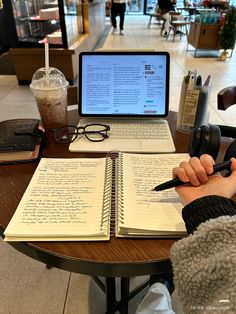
(50, 91)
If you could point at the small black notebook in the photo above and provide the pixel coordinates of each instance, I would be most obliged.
(20, 140)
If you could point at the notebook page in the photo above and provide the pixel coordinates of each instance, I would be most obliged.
(63, 199)
(143, 208)
(161, 217)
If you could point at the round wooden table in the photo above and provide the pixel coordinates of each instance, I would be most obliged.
(118, 257)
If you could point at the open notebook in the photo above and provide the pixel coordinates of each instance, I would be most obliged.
(76, 199)
(129, 91)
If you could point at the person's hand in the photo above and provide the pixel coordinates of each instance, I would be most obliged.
(196, 171)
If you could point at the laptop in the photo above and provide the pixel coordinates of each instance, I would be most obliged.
(129, 91)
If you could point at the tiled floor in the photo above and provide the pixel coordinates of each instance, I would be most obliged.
(27, 287)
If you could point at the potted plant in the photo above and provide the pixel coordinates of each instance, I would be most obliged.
(228, 32)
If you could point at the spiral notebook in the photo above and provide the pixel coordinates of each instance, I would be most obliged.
(91, 199)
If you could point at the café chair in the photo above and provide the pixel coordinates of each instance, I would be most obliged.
(158, 17)
(177, 24)
(226, 97)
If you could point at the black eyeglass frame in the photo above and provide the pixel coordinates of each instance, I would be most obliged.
(75, 134)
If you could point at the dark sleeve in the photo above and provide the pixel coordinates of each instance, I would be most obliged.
(165, 5)
(206, 208)
(160, 4)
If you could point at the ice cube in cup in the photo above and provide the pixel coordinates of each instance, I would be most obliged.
(49, 87)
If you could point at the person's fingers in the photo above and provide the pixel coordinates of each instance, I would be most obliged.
(189, 172)
(199, 169)
(196, 170)
(180, 173)
(207, 162)
(233, 164)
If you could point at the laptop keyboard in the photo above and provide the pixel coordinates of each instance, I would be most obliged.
(139, 130)
(147, 136)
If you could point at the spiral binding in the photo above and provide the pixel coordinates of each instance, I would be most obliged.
(112, 189)
(120, 191)
(107, 195)
(113, 193)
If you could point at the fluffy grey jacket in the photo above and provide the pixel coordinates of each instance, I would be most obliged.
(204, 263)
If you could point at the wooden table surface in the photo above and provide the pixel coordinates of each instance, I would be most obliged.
(115, 258)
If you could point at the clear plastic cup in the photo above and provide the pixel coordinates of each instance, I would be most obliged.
(50, 91)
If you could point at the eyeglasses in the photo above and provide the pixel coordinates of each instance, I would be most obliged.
(93, 132)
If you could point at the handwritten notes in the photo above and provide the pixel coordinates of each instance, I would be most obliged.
(146, 172)
(70, 199)
(143, 208)
(64, 197)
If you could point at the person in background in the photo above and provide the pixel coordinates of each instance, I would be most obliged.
(204, 263)
(165, 6)
(118, 7)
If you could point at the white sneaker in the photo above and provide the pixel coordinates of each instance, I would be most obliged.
(121, 33)
(114, 31)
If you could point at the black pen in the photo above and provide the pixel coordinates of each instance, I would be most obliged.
(176, 182)
(199, 81)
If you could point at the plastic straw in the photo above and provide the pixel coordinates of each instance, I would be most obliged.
(47, 62)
